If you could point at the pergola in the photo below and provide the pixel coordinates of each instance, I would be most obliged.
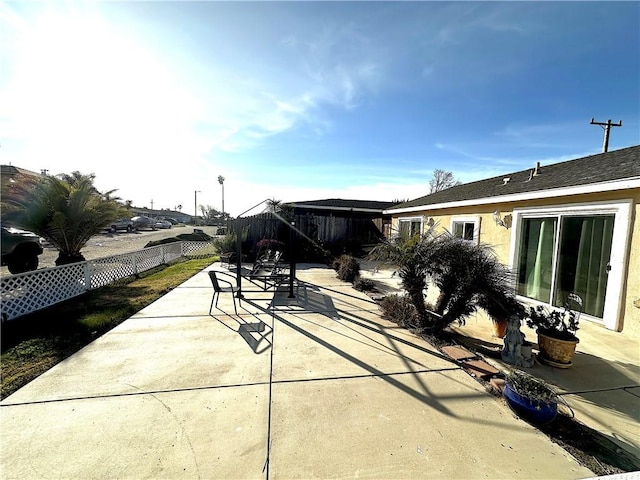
(242, 221)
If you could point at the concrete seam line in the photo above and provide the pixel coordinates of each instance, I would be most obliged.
(371, 375)
(265, 468)
(270, 383)
(132, 394)
(598, 390)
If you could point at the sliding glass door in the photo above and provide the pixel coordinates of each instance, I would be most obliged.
(560, 254)
(583, 262)
(537, 252)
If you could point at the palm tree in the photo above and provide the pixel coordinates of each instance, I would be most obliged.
(468, 276)
(280, 210)
(412, 255)
(273, 205)
(67, 210)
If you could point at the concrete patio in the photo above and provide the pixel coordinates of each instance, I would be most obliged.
(316, 386)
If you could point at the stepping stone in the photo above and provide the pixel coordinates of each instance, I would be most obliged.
(458, 353)
(480, 368)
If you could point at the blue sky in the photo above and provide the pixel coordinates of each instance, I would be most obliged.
(310, 100)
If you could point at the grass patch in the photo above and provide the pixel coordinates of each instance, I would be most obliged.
(34, 343)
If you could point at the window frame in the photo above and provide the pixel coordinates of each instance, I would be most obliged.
(411, 220)
(475, 220)
(622, 210)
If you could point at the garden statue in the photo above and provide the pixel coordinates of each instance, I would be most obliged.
(513, 351)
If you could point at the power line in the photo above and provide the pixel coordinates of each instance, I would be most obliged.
(607, 127)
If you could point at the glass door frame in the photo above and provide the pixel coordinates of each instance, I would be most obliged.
(621, 209)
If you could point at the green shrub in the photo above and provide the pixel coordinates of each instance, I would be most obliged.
(187, 237)
(225, 244)
(163, 241)
(399, 309)
(364, 284)
(195, 237)
(348, 268)
(314, 252)
(345, 247)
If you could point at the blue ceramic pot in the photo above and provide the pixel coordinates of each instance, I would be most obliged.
(533, 411)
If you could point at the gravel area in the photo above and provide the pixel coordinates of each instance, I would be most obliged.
(108, 244)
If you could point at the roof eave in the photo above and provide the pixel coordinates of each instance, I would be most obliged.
(622, 184)
(343, 209)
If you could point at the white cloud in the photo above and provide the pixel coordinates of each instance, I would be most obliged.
(158, 110)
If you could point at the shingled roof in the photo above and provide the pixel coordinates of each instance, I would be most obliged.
(340, 204)
(11, 170)
(595, 169)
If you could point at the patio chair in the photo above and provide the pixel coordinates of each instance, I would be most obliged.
(269, 261)
(222, 286)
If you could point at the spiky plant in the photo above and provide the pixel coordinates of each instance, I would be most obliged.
(411, 255)
(66, 210)
(467, 275)
(470, 276)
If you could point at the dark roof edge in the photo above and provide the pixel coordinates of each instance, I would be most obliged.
(420, 203)
(343, 209)
(608, 186)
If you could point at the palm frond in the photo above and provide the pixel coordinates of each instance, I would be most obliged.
(67, 210)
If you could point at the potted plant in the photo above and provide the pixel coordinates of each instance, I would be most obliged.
(530, 398)
(556, 331)
(501, 304)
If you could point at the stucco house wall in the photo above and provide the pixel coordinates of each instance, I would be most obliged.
(625, 256)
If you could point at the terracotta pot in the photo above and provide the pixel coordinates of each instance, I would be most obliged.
(555, 352)
(499, 328)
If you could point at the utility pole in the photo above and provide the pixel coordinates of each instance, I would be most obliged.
(221, 182)
(607, 128)
(195, 206)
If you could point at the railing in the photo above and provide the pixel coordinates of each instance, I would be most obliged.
(28, 292)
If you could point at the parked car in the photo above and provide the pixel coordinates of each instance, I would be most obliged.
(121, 224)
(143, 222)
(20, 249)
(221, 231)
(163, 224)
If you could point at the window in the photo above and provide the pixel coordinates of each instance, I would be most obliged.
(467, 228)
(565, 254)
(408, 227)
(579, 249)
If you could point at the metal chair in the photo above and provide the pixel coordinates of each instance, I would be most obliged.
(220, 286)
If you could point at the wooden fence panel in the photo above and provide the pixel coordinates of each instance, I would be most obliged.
(325, 229)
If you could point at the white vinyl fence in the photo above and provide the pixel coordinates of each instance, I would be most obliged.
(27, 292)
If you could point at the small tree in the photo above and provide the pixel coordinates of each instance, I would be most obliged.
(280, 209)
(441, 180)
(468, 276)
(411, 254)
(66, 210)
(210, 214)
